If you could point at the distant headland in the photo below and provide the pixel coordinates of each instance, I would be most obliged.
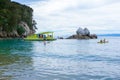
(83, 34)
(16, 20)
(113, 34)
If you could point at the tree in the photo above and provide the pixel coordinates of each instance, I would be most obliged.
(12, 13)
(20, 30)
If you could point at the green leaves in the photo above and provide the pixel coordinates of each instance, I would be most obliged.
(20, 30)
(12, 13)
(4, 4)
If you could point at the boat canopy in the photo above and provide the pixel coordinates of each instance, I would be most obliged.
(46, 32)
(48, 36)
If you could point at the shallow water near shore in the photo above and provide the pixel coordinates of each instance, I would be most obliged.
(60, 60)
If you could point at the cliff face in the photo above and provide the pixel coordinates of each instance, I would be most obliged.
(15, 19)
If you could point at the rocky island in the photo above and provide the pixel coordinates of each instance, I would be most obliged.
(83, 34)
(16, 20)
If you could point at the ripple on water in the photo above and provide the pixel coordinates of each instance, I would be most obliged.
(59, 60)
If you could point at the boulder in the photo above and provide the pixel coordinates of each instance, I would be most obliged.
(4, 34)
(83, 34)
(93, 36)
(80, 31)
(26, 27)
(14, 33)
(78, 37)
(86, 32)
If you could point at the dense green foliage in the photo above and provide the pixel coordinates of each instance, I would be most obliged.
(12, 13)
(20, 30)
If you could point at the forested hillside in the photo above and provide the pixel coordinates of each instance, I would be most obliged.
(16, 20)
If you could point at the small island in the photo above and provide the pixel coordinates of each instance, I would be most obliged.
(16, 20)
(83, 34)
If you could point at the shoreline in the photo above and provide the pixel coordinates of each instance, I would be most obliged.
(10, 38)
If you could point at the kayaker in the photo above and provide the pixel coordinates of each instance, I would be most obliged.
(104, 40)
(44, 42)
(101, 41)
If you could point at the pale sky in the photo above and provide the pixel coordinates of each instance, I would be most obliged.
(64, 17)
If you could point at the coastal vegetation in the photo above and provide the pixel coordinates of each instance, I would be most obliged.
(16, 20)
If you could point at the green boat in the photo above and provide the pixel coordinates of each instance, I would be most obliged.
(43, 36)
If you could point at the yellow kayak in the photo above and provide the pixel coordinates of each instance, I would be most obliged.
(103, 42)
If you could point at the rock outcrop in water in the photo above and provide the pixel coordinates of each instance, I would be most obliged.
(83, 34)
(84, 31)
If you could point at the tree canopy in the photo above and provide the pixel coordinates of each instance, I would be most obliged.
(12, 13)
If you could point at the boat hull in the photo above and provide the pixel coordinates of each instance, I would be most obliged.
(103, 42)
(32, 39)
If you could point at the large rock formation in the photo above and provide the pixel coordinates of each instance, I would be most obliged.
(4, 34)
(80, 31)
(15, 34)
(26, 28)
(83, 34)
(86, 32)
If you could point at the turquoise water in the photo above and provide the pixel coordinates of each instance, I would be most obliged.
(60, 60)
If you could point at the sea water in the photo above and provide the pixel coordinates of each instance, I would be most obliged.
(60, 60)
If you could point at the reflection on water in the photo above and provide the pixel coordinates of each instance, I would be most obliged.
(13, 64)
(14, 46)
(59, 60)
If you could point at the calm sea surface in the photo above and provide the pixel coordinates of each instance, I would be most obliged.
(60, 60)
